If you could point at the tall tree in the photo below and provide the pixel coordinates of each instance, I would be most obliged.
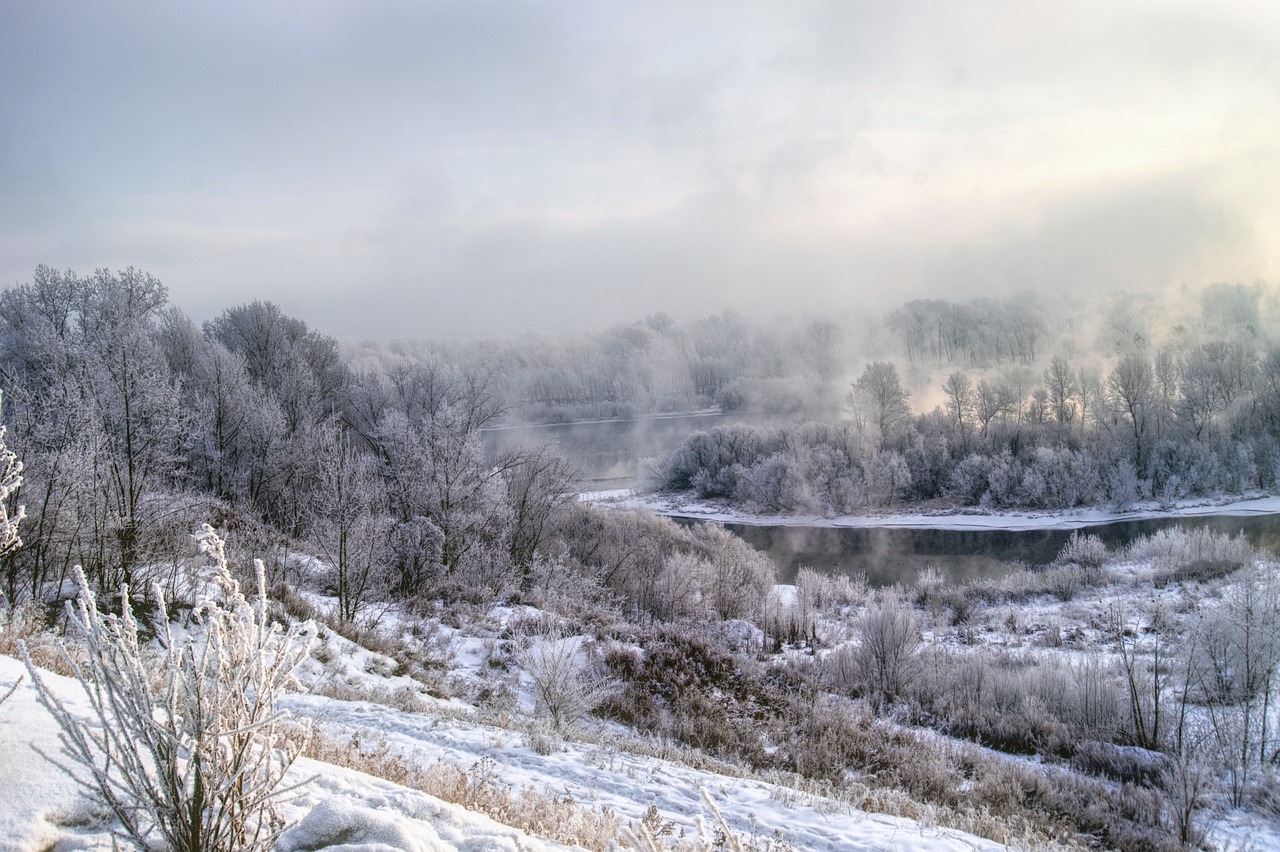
(1130, 387)
(878, 396)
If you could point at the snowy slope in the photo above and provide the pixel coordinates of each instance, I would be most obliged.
(40, 807)
(342, 809)
(627, 783)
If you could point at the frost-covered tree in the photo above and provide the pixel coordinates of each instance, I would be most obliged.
(880, 400)
(98, 418)
(436, 468)
(1130, 390)
(994, 401)
(349, 524)
(10, 482)
(184, 743)
(539, 483)
(961, 399)
(11, 514)
(1064, 390)
(237, 429)
(298, 366)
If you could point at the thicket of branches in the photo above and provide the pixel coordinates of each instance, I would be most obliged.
(135, 426)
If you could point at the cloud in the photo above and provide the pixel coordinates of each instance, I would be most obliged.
(433, 168)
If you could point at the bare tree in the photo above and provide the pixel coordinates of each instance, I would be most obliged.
(1211, 377)
(1064, 390)
(878, 396)
(1130, 387)
(992, 401)
(961, 399)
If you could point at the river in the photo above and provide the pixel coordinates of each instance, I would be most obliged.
(898, 555)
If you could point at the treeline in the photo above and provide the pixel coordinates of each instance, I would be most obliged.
(800, 367)
(652, 366)
(984, 331)
(135, 426)
(1187, 421)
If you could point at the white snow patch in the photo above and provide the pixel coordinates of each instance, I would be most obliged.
(687, 506)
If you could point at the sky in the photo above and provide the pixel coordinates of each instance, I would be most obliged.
(458, 169)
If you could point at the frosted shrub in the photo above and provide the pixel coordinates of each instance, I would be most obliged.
(1078, 564)
(1065, 582)
(1180, 547)
(885, 657)
(184, 743)
(819, 592)
(566, 684)
(1087, 551)
(928, 591)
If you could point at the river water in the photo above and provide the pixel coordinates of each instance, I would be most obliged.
(897, 555)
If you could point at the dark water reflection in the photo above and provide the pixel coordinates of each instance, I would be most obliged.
(892, 555)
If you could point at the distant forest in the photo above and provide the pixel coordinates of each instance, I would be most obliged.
(1139, 412)
(1028, 402)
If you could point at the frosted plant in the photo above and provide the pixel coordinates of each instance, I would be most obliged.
(10, 691)
(184, 741)
(566, 685)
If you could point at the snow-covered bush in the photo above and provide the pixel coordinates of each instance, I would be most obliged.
(184, 743)
(567, 685)
(1180, 547)
(1087, 551)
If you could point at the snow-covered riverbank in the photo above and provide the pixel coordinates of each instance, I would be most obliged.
(688, 506)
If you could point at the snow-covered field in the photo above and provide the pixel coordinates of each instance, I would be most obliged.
(688, 506)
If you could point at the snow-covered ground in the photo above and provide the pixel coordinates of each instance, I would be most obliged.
(342, 809)
(41, 807)
(628, 783)
(688, 506)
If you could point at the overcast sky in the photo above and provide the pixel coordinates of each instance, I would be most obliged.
(417, 169)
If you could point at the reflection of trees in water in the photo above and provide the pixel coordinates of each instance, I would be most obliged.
(893, 555)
